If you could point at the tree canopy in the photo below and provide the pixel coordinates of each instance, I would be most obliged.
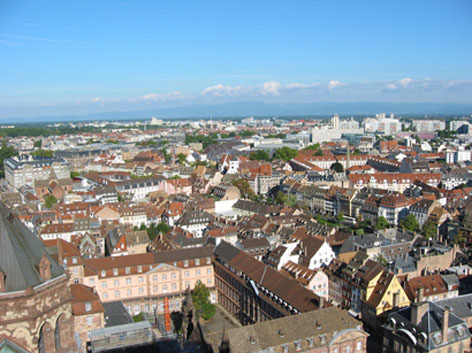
(260, 155)
(430, 230)
(50, 201)
(244, 188)
(337, 167)
(201, 299)
(285, 153)
(381, 223)
(410, 223)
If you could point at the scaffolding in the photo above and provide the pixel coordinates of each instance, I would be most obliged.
(121, 336)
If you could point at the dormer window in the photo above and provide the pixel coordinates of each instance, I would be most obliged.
(197, 262)
(140, 269)
(208, 260)
(115, 272)
(127, 270)
(88, 306)
(103, 273)
(186, 263)
(74, 260)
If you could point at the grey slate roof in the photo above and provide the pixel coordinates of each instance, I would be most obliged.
(20, 254)
(116, 314)
(460, 306)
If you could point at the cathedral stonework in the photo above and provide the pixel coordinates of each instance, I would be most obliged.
(35, 299)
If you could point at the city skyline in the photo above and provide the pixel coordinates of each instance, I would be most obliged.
(87, 58)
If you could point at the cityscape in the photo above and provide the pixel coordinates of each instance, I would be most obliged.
(247, 200)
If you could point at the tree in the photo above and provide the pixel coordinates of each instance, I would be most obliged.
(313, 147)
(430, 230)
(291, 200)
(37, 144)
(5, 152)
(181, 158)
(42, 153)
(163, 228)
(50, 201)
(340, 217)
(410, 223)
(74, 174)
(244, 188)
(201, 300)
(285, 153)
(165, 154)
(280, 198)
(381, 223)
(337, 167)
(260, 155)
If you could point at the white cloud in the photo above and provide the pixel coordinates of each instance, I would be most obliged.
(97, 100)
(404, 82)
(159, 97)
(334, 84)
(222, 90)
(271, 88)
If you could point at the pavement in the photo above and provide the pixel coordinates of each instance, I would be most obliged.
(221, 319)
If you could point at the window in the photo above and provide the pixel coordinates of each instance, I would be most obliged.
(154, 278)
(91, 281)
(74, 260)
(105, 295)
(174, 286)
(141, 290)
(88, 306)
(359, 346)
(89, 320)
(117, 294)
(104, 284)
(209, 281)
(310, 342)
(155, 288)
(186, 263)
(187, 284)
(164, 288)
(298, 345)
(164, 277)
(140, 279)
(197, 272)
(187, 274)
(209, 270)
(285, 348)
(127, 270)
(115, 272)
(129, 292)
(197, 262)
(173, 275)
(140, 269)
(128, 281)
(348, 349)
(116, 283)
(103, 273)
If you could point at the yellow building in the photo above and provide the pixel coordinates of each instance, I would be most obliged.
(387, 294)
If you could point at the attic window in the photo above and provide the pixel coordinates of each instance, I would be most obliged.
(140, 269)
(197, 262)
(115, 272)
(186, 263)
(103, 273)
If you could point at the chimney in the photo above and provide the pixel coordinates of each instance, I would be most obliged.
(417, 312)
(419, 295)
(445, 323)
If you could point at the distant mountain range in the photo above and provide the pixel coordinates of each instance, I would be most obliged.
(245, 109)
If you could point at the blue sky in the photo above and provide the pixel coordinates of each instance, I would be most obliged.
(63, 57)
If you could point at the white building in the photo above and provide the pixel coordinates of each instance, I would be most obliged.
(388, 126)
(428, 125)
(26, 170)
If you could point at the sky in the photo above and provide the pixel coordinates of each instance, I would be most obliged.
(77, 57)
